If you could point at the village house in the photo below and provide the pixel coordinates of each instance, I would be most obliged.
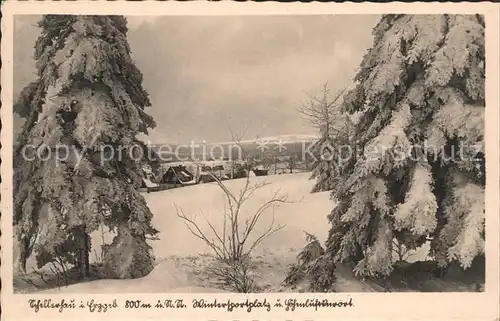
(177, 175)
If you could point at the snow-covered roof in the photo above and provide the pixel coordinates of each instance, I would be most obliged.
(148, 183)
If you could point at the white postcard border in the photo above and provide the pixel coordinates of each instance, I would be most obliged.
(397, 306)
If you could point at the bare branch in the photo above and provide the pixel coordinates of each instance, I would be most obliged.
(322, 111)
(255, 218)
(230, 242)
(193, 227)
(41, 275)
(219, 238)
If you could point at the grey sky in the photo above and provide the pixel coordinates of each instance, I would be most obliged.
(208, 74)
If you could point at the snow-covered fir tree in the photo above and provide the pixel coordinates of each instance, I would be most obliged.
(88, 102)
(335, 128)
(421, 84)
(327, 169)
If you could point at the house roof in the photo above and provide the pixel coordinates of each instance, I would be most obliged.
(179, 169)
(148, 183)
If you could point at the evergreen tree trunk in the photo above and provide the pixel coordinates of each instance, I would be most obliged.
(86, 255)
(83, 262)
(23, 254)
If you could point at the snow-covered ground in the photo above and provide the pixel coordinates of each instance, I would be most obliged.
(178, 251)
(177, 246)
(304, 211)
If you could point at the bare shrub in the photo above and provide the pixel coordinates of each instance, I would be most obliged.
(235, 275)
(59, 270)
(401, 252)
(234, 242)
(57, 275)
(29, 279)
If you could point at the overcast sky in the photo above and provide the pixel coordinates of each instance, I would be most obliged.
(206, 75)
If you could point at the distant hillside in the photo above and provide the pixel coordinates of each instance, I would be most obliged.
(262, 147)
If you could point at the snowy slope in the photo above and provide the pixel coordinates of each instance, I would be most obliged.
(177, 251)
(305, 211)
